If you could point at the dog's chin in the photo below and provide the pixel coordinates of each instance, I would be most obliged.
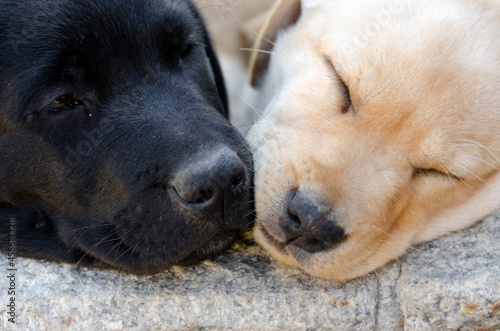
(101, 246)
(211, 249)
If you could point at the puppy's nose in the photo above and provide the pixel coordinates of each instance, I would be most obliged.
(307, 225)
(209, 180)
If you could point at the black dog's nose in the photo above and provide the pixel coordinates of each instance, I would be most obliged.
(212, 179)
(307, 226)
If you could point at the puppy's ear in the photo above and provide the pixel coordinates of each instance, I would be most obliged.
(284, 14)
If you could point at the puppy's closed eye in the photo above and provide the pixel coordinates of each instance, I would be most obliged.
(346, 105)
(424, 171)
(434, 172)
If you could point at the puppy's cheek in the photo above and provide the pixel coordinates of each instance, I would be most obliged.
(278, 254)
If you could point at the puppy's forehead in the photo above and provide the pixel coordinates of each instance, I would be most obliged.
(400, 32)
(400, 46)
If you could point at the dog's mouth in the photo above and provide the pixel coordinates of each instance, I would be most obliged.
(104, 246)
(278, 244)
(298, 243)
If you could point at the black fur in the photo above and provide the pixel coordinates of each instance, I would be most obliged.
(90, 178)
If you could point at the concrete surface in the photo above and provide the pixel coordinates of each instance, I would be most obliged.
(448, 284)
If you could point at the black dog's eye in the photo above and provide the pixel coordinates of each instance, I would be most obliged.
(62, 103)
(187, 49)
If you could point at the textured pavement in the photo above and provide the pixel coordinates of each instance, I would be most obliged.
(448, 284)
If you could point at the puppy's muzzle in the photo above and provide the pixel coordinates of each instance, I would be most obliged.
(308, 224)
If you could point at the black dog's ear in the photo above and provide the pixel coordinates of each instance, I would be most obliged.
(28, 232)
(219, 78)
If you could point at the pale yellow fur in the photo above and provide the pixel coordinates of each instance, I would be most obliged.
(424, 79)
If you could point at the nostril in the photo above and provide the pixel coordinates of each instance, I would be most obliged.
(292, 217)
(238, 179)
(294, 220)
(205, 195)
(194, 196)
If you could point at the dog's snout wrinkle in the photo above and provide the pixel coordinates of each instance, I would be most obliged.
(307, 225)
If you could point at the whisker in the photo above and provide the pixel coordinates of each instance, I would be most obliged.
(485, 162)
(91, 249)
(473, 174)
(250, 213)
(254, 108)
(119, 257)
(257, 50)
(262, 140)
(257, 33)
(482, 146)
(94, 226)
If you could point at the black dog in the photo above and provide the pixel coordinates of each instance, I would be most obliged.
(115, 150)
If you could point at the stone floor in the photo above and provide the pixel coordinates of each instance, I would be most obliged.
(448, 284)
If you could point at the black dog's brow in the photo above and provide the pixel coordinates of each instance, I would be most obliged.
(144, 48)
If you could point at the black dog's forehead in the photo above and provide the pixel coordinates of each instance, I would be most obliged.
(103, 32)
(29, 19)
(120, 28)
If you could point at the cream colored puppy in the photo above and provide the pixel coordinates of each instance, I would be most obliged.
(380, 129)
